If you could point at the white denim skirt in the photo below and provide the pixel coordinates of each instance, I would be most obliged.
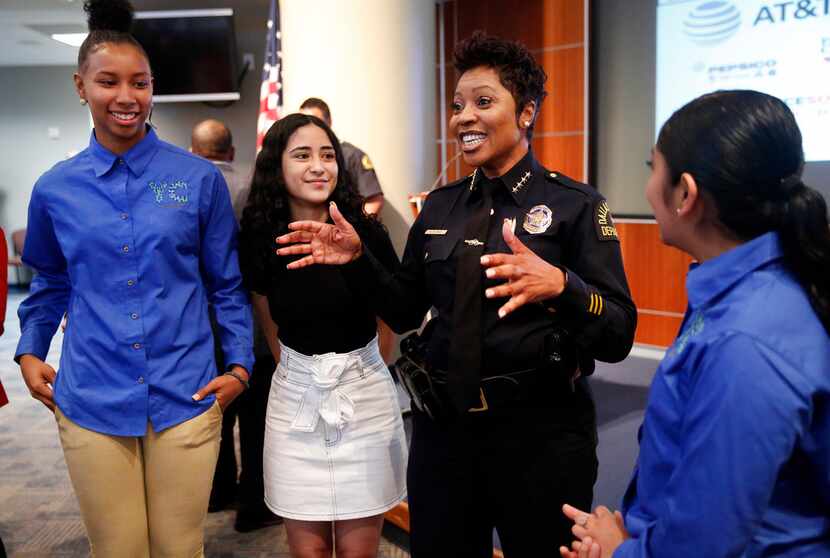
(335, 446)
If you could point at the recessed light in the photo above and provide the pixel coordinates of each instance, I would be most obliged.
(71, 39)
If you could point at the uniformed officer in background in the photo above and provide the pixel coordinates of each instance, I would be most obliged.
(359, 165)
(524, 268)
(363, 175)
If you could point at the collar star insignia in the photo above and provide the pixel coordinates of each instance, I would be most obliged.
(521, 183)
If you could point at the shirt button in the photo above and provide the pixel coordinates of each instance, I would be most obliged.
(124, 216)
(136, 345)
(134, 316)
(141, 379)
(130, 282)
(125, 248)
(120, 161)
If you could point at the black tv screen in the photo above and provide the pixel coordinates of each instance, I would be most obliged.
(192, 53)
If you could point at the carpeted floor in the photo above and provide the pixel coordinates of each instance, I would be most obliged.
(39, 514)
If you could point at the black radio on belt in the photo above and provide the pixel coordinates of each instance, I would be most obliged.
(427, 388)
(413, 373)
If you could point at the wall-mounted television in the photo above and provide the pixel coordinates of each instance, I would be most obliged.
(192, 54)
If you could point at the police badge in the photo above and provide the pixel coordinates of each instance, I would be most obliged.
(538, 219)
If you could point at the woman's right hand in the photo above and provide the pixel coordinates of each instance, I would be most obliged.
(324, 243)
(39, 378)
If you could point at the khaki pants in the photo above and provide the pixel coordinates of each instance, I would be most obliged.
(144, 496)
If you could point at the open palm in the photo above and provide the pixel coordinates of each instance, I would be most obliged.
(322, 243)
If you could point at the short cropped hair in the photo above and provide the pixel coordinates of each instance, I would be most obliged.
(518, 70)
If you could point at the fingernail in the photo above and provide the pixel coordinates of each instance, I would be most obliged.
(502, 313)
(196, 397)
(488, 293)
(490, 273)
(485, 260)
(331, 204)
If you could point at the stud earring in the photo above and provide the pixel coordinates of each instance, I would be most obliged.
(82, 101)
(677, 211)
(526, 123)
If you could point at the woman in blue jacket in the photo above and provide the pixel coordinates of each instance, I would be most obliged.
(135, 239)
(735, 444)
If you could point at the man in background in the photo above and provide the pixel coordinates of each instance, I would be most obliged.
(212, 140)
(358, 164)
(363, 175)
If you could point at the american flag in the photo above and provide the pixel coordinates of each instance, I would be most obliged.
(270, 94)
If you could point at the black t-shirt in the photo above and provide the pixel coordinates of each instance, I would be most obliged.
(314, 308)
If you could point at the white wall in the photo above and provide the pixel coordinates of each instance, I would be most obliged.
(373, 62)
(624, 41)
(34, 100)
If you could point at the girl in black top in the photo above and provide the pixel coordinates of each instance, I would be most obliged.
(334, 442)
(523, 267)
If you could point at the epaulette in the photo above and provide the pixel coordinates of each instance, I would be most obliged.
(568, 182)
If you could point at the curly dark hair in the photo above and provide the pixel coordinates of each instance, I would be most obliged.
(109, 21)
(518, 70)
(267, 213)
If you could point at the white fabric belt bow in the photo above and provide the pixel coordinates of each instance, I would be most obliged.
(322, 398)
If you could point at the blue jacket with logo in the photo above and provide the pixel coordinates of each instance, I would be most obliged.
(735, 445)
(134, 248)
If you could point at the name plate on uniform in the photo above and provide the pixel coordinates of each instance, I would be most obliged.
(436, 231)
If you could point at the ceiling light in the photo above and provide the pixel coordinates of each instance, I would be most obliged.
(71, 39)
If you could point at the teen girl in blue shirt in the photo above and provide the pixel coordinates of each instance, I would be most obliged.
(735, 445)
(133, 238)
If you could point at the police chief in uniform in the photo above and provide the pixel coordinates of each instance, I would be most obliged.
(523, 269)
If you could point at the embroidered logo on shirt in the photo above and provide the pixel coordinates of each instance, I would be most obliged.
(695, 327)
(604, 223)
(538, 219)
(169, 194)
(367, 163)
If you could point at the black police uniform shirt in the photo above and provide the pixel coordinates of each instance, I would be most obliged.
(313, 307)
(361, 170)
(564, 222)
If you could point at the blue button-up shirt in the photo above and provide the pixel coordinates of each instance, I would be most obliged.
(134, 248)
(735, 445)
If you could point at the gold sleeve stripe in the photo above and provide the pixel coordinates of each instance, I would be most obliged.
(595, 304)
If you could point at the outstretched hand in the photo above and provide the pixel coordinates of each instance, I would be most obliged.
(323, 243)
(529, 277)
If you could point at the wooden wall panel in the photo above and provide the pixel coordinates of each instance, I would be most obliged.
(554, 31)
(564, 108)
(657, 278)
(561, 153)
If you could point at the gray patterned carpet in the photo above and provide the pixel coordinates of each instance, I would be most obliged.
(39, 515)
